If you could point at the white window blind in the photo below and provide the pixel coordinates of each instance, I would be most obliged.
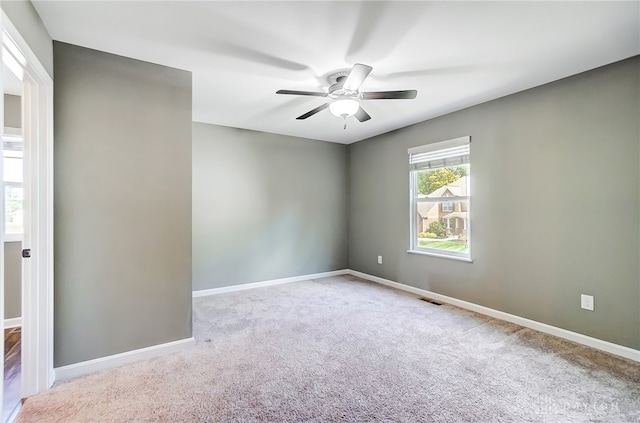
(441, 154)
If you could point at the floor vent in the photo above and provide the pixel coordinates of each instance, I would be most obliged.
(429, 300)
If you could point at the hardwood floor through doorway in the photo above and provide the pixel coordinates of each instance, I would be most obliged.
(12, 358)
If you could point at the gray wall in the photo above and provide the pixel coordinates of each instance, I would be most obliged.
(12, 111)
(12, 250)
(12, 279)
(265, 206)
(122, 206)
(555, 204)
(27, 21)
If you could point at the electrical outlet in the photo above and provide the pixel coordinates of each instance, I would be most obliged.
(586, 302)
(379, 259)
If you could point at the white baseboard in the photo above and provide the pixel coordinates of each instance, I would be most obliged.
(14, 322)
(108, 362)
(598, 344)
(241, 287)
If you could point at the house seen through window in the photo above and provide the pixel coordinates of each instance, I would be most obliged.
(440, 198)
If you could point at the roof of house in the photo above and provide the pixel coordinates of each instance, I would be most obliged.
(458, 188)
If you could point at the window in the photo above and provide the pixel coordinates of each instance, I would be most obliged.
(440, 176)
(12, 185)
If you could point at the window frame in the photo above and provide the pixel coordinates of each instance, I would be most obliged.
(414, 169)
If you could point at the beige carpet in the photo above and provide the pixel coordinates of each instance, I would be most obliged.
(344, 350)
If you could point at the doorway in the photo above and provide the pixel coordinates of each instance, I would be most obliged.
(26, 222)
(12, 191)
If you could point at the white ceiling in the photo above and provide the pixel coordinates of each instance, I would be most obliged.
(456, 54)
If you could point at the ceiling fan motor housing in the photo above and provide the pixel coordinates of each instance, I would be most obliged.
(337, 76)
(337, 91)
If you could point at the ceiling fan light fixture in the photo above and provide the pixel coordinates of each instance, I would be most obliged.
(344, 108)
(344, 93)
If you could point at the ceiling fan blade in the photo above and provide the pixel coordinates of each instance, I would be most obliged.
(357, 75)
(383, 95)
(294, 92)
(361, 115)
(313, 112)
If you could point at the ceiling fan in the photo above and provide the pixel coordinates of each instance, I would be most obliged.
(344, 94)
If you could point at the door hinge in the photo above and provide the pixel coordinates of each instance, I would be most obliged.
(26, 253)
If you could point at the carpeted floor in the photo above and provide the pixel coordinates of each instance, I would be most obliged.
(345, 350)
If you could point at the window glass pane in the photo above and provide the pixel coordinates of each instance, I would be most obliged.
(442, 229)
(13, 209)
(12, 169)
(443, 182)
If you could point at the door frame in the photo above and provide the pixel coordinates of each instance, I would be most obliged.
(2, 237)
(37, 278)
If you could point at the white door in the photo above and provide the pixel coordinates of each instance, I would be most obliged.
(37, 280)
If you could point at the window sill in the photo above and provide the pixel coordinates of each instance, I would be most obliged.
(444, 256)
